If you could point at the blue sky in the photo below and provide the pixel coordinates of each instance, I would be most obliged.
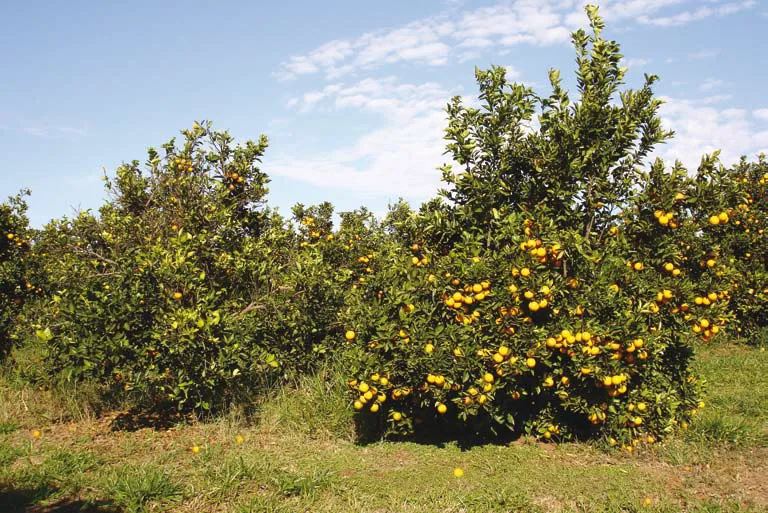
(350, 93)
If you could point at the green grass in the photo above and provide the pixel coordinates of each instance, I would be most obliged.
(137, 487)
(314, 405)
(298, 454)
(6, 428)
(737, 396)
(8, 455)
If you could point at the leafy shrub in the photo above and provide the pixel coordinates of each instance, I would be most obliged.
(15, 284)
(741, 194)
(185, 289)
(665, 231)
(518, 304)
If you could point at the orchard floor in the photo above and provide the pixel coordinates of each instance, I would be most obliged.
(299, 456)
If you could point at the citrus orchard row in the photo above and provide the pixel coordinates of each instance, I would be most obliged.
(556, 287)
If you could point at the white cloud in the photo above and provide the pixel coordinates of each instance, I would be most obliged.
(636, 62)
(703, 54)
(761, 114)
(632, 9)
(700, 13)
(383, 96)
(51, 131)
(398, 158)
(459, 32)
(468, 56)
(711, 83)
(512, 73)
(420, 42)
(476, 42)
(703, 126)
(325, 56)
(524, 21)
(715, 98)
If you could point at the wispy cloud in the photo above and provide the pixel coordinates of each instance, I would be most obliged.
(636, 62)
(399, 157)
(688, 16)
(703, 54)
(385, 96)
(513, 74)
(705, 125)
(45, 130)
(54, 131)
(630, 9)
(761, 114)
(401, 154)
(710, 84)
(460, 34)
(418, 42)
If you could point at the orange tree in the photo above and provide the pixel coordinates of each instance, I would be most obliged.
(184, 289)
(15, 281)
(327, 263)
(673, 244)
(733, 220)
(708, 229)
(512, 308)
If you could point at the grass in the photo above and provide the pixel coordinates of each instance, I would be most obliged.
(738, 396)
(298, 454)
(136, 486)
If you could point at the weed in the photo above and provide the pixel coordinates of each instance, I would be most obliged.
(135, 487)
(6, 428)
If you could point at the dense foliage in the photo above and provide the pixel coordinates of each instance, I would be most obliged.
(556, 286)
(184, 288)
(536, 297)
(15, 268)
(738, 197)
